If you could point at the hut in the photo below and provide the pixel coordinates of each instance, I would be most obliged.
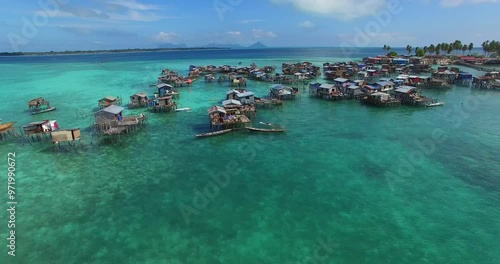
(231, 103)
(110, 121)
(314, 88)
(138, 100)
(163, 104)
(231, 94)
(326, 90)
(109, 100)
(238, 81)
(408, 95)
(40, 130)
(65, 136)
(384, 86)
(340, 82)
(222, 118)
(246, 98)
(354, 91)
(166, 90)
(108, 114)
(380, 99)
(282, 92)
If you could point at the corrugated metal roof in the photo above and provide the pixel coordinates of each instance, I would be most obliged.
(405, 89)
(113, 109)
(245, 94)
(231, 101)
(327, 86)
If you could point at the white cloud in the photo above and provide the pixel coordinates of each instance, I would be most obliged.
(453, 3)
(307, 25)
(135, 16)
(233, 33)
(259, 33)
(343, 9)
(167, 37)
(134, 5)
(248, 21)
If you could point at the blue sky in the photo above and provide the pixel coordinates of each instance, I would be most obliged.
(44, 25)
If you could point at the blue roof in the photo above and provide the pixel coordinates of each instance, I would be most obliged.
(371, 87)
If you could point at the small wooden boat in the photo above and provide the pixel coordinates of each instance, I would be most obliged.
(6, 126)
(43, 111)
(215, 133)
(182, 109)
(276, 130)
(435, 104)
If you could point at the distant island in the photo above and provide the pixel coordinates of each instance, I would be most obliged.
(164, 47)
(76, 52)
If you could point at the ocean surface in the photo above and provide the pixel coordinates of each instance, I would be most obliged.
(346, 183)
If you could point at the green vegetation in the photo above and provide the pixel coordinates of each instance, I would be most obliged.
(490, 47)
(392, 54)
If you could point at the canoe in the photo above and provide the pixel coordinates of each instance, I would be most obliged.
(43, 111)
(182, 109)
(215, 133)
(6, 126)
(435, 104)
(276, 130)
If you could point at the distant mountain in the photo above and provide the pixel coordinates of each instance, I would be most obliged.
(219, 45)
(172, 46)
(257, 45)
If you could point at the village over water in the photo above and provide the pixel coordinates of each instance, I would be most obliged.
(381, 81)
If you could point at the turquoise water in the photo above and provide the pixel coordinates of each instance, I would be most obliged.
(344, 174)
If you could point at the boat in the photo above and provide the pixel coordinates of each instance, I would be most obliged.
(266, 129)
(6, 126)
(39, 105)
(182, 109)
(215, 133)
(43, 111)
(435, 104)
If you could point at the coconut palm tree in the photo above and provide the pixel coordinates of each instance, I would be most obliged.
(485, 46)
(438, 49)
(409, 49)
(432, 48)
(457, 45)
(425, 49)
(450, 48)
(464, 48)
(470, 47)
(385, 47)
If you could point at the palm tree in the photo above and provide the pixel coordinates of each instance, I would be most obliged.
(426, 49)
(494, 47)
(486, 45)
(464, 48)
(432, 48)
(450, 48)
(409, 49)
(438, 49)
(444, 47)
(457, 45)
(385, 47)
(471, 46)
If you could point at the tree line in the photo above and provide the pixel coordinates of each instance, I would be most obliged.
(455, 48)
